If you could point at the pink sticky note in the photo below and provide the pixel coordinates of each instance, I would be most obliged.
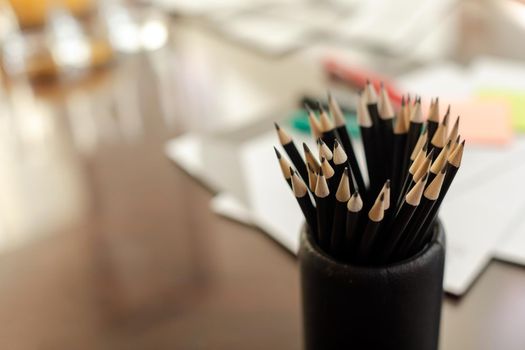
(482, 122)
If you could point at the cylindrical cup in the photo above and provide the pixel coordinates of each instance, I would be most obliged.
(392, 307)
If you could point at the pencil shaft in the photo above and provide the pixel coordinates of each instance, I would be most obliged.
(385, 127)
(338, 229)
(370, 155)
(394, 235)
(427, 225)
(431, 127)
(309, 212)
(368, 241)
(352, 236)
(329, 138)
(413, 134)
(297, 160)
(404, 247)
(324, 222)
(397, 160)
(352, 159)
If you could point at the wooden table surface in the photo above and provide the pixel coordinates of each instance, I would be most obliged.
(111, 246)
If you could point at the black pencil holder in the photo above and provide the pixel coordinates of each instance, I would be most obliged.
(391, 307)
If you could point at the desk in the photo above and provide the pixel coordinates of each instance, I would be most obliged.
(136, 260)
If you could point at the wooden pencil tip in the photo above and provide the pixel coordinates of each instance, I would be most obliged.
(277, 127)
(387, 183)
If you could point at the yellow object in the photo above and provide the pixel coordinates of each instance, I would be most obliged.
(32, 13)
(515, 99)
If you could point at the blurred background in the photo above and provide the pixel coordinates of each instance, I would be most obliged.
(121, 126)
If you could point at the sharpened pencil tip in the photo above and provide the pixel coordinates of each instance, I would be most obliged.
(277, 153)
(388, 183)
(345, 171)
(277, 127)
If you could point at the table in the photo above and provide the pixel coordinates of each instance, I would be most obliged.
(117, 247)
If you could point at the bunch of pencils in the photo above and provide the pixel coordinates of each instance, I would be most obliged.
(382, 212)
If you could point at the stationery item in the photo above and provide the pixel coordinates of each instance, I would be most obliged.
(395, 307)
(379, 242)
(468, 251)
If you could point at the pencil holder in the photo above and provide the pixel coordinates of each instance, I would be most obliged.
(391, 307)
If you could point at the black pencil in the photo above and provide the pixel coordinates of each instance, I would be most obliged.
(352, 236)
(414, 130)
(421, 142)
(380, 165)
(285, 167)
(400, 138)
(401, 220)
(367, 137)
(315, 126)
(351, 232)
(431, 194)
(325, 152)
(433, 118)
(327, 127)
(290, 149)
(310, 158)
(312, 178)
(440, 137)
(340, 161)
(417, 164)
(303, 198)
(369, 238)
(455, 131)
(339, 223)
(344, 137)
(324, 222)
(386, 127)
(452, 167)
(439, 163)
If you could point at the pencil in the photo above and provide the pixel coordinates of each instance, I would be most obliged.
(400, 138)
(352, 237)
(338, 226)
(433, 118)
(452, 167)
(455, 130)
(386, 114)
(403, 216)
(285, 167)
(315, 126)
(312, 178)
(414, 130)
(439, 163)
(305, 203)
(440, 137)
(340, 161)
(325, 152)
(290, 149)
(346, 142)
(324, 222)
(327, 128)
(310, 158)
(416, 164)
(368, 241)
(367, 137)
(431, 194)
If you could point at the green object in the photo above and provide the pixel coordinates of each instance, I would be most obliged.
(299, 121)
(515, 99)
